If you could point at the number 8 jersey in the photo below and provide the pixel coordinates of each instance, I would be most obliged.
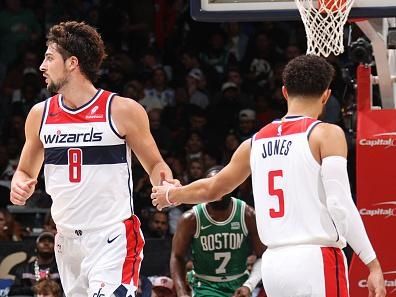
(289, 197)
(87, 164)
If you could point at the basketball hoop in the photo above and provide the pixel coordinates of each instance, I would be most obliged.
(324, 22)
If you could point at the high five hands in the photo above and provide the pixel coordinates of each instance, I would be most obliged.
(160, 194)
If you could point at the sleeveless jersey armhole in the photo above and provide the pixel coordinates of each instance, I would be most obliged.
(311, 127)
(198, 224)
(243, 218)
(113, 127)
(44, 115)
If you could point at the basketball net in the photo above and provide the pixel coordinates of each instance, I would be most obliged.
(324, 22)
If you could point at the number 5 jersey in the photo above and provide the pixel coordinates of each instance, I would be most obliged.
(289, 197)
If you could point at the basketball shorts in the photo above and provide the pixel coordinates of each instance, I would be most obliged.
(100, 263)
(205, 288)
(305, 271)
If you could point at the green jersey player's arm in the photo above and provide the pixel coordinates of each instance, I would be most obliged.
(180, 245)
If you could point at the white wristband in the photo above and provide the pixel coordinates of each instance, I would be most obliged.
(167, 196)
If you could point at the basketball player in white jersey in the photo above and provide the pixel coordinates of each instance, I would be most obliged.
(84, 137)
(304, 210)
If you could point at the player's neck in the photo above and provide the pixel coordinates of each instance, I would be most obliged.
(308, 109)
(77, 92)
(219, 215)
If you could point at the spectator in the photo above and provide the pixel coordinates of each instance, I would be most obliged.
(161, 133)
(49, 224)
(194, 146)
(158, 226)
(237, 40)
(226, 109)
(258, 63)
(246, 124)
(194, 82)
(216, 55)
(47, 288)
(160, 94)
(9, 228)
(163, 287)
(133, 89)
(231, 143)
(6, 168)
(265, 112)
(18, 27)
(43, 267)
(195, 170)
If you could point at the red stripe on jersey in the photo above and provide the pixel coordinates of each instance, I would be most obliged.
(133, 259)
(329, 267)
(334, 272)
(94, 113)
(342, 274)
(138, 251)
(276, 129)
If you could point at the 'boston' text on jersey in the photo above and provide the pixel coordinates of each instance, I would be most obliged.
(276, 147)
(220, 241)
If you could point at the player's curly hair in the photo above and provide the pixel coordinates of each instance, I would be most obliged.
(82, 41)
(307, 76)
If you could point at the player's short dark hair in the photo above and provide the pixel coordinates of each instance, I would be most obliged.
(80, 40)
(307, 75)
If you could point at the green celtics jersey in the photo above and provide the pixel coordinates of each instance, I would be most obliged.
(220, 249)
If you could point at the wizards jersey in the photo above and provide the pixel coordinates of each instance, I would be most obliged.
(87, 164)
(289, 197)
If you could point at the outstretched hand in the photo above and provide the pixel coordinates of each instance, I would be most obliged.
(171, 181)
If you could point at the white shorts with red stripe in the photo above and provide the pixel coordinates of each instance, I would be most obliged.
(305, 271)
(100, 263)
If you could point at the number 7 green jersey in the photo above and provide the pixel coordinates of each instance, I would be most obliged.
(220, 249)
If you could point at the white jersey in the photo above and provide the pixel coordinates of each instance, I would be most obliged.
(87, 164)
(289, 197)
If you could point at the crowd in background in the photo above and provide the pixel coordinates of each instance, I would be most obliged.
(205, 86)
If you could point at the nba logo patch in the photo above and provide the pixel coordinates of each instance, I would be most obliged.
(279, 130)
(235, 226)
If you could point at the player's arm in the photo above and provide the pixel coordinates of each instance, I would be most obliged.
(180, 245)
(132, 122)
(333, 152)
(208, 189)
(258, 248)
(31, 159)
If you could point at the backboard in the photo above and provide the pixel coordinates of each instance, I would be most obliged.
(261, 10)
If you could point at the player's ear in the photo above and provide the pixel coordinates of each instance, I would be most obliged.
(325, 96)
(285, 93)
(72, 62)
